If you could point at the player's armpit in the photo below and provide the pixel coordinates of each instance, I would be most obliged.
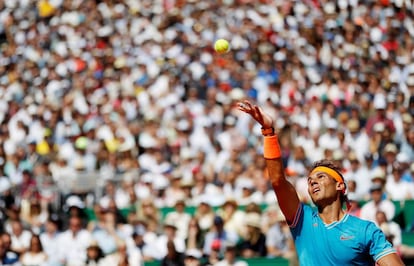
(390, 260)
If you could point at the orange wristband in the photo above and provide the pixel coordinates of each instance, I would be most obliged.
(271, 148)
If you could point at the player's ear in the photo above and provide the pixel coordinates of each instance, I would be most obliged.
(340, 186)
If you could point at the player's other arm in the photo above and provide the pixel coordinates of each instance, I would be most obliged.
(390, 260)
(285, 191)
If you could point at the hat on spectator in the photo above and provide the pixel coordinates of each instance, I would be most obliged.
(331, 124)
(407, 118)
(231, 202)
(230, 246)
(193, 253)
(390, 148)
(160, 182)
(274, 208)
(375, 187)
(169, 224)
(187, 183)
(379, 102)
(246, 184)
(180, 202)
(93, 244)
(378, 173)
(253, 219)
(4, 184)
(338, 155)
(74, 201)
(353, 125)
(352, 157)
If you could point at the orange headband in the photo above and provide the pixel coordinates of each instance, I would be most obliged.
(329, 171)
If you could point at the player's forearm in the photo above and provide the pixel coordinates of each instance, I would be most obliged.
(276, 171)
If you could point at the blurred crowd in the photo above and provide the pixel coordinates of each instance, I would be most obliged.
(122, 108)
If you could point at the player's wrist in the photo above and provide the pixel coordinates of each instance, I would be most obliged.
(271, 148)
(269, 131)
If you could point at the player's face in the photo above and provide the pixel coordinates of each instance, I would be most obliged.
(322, 188)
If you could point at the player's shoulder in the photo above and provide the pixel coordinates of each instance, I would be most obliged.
(349, 218)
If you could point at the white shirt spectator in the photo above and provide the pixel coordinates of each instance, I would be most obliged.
(158, 249)
(369, 209)
(20, 237)
(73, 243)
(399, 189)
(50, 244)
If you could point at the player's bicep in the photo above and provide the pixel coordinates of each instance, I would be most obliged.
(288, 200)
(285, 192)
(390, 260)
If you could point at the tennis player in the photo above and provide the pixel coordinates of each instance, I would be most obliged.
(326, 235)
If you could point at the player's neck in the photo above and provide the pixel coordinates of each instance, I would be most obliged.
(331, 213)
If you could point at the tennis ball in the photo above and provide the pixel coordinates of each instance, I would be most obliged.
(221, 46)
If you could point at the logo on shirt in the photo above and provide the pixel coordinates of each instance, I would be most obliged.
(345, 237)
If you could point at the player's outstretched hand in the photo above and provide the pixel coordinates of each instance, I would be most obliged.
(256, 112)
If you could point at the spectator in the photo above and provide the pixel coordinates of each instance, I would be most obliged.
(377, 203)
(254, 241)
(392, 227)
(73, 242)
(94, 254)
(407, 146)
(232, 216)
(20, 237)
(279, 242)
(195, 237)
(140, 241)
(108, 234)
(180, 218)
(122, 257)
(205, 214)
(398, 189)
(6, 242)
(230, 257)
(192, 257)
(6, 257)
(359, 173)
(35, 254)
(217, 237)
(34, 214)
(380, 106)
(357, 137)
(50, 238)
(354, 205)
(147, 211)
(378, 176)
(74, 207)
(173, 257)
(159, 248)
(406, 252)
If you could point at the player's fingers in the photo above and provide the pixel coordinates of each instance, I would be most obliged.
(259, 116)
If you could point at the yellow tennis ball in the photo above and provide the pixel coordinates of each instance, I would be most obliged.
(221, 46)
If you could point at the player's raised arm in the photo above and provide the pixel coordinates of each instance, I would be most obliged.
(285, 191)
